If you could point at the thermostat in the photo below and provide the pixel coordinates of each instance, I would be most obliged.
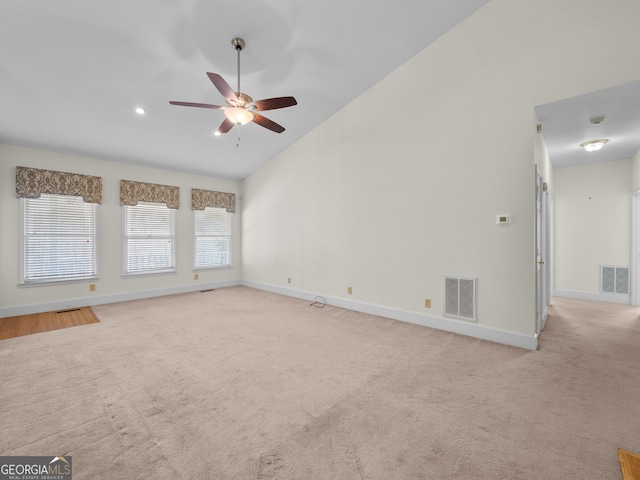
(503, 219)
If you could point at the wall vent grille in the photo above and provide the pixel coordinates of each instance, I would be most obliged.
(614, 279)
(460, 297)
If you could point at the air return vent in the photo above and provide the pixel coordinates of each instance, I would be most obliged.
(614, 279)
(460, 297)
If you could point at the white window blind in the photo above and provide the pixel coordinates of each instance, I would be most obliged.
(59, 238)
(212, 237)
(149, 238)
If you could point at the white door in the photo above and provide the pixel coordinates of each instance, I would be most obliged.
(542, 283)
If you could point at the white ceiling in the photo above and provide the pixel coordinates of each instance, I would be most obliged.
(72, 71)
(567, 123)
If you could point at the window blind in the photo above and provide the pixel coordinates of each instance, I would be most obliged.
(149, 238)
(212, 237)
(59, 238)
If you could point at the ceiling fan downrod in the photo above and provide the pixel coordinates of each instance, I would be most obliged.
(238, 44)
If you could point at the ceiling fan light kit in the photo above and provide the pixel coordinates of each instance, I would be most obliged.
(239, 116)
(240, 108)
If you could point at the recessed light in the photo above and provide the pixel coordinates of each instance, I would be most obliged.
(140, 111)
(594, 145)
(217, 133)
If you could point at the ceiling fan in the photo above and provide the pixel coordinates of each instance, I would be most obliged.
(241, 108)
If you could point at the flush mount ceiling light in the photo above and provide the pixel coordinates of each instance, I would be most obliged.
(594, 145)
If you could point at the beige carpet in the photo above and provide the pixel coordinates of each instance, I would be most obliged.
(243, 384)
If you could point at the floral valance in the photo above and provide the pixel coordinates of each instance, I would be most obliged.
(32, 182)
(200, 199)
(133, 192)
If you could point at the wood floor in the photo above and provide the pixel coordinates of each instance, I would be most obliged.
(630, 464)
(43, 322)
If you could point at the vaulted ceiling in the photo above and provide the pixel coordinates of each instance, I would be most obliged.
(73, 71)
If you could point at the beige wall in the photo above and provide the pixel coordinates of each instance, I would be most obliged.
(111, 286)
(592, 223)
(403, 185)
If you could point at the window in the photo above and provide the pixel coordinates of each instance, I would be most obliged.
(149, 238)
(59, 238)
(212, 237)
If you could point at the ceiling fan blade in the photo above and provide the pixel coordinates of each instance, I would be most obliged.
(223, 87)
(273, 103)
(266, 123)
(225, 126)
(200, 105)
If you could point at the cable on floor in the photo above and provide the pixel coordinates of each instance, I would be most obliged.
(319, 302)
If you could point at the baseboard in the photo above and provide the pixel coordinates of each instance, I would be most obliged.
(475, 330)
(596, 297)
(450, 325)
(102, 299)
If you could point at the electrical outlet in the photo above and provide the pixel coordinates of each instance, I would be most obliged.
(289, 280)
(427, 303)
(349, 290)
(92, 287)
(196, 276)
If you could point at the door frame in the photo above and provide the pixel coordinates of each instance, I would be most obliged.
(542, 257)
(635, 252)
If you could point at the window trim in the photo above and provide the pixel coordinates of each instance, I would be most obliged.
(23, 282)
(174, 252)
(195, 239)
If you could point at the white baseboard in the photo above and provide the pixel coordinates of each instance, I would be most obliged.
(450, 325)
(596, 297)
(102, 299)
(463, 328)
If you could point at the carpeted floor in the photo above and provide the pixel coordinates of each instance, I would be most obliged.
(241, 384)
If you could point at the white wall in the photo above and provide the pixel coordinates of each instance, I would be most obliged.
(402, 186)
(593, 224)
(635, 172)
(543, 161)
(15, 299)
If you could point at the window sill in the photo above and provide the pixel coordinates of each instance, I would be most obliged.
(65, 281)
(216, 267)
(149, 274)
